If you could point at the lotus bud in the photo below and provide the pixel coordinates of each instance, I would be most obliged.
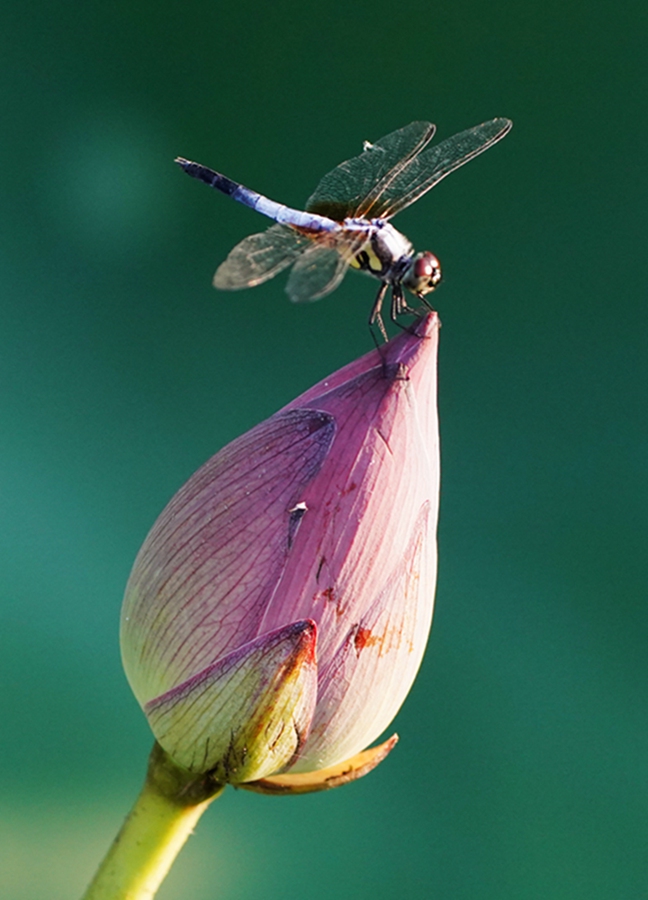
(278, 611)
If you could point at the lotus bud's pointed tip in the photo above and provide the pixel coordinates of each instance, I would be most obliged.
(427, 324)
(325, 779)
(411, 348)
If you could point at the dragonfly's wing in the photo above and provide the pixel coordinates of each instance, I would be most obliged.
(316, 273)
(260, 257)
(423, 171)
(345, 190)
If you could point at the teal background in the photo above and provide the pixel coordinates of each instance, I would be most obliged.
(522, 772)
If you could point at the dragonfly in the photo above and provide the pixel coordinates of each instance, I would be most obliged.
(346, 221)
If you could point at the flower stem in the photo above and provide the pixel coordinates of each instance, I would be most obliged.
(171, 802)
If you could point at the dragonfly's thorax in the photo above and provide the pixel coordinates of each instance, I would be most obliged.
(385, 253)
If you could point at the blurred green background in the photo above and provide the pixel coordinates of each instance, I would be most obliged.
(522, 772)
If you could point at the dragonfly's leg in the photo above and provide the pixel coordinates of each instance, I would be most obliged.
(376, 317)
(399, 304)
(426, 302)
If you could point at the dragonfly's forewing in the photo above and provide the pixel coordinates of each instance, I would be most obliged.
(346, 189)
(315, 274)
(426, 169)
(260, 257)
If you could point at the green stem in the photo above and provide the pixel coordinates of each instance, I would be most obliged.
(165, 813)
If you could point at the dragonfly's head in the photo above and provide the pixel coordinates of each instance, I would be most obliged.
(422, 274)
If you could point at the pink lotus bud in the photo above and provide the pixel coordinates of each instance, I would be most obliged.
(278, 611)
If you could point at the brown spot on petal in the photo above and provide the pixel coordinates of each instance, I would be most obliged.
(329, 595)
(364, 637)
(385, 641)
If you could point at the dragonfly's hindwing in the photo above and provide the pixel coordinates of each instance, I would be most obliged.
(315, 274)
(260, 257)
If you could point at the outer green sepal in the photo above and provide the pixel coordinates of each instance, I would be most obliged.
(246, 716)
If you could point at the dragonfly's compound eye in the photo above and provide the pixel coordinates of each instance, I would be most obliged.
(423, 274)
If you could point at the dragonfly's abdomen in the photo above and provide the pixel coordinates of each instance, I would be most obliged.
(278, 211)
